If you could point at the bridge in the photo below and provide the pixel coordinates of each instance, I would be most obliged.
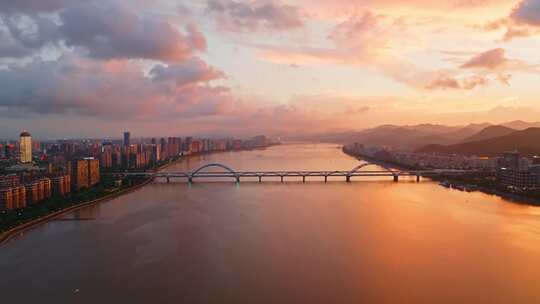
(226, 172)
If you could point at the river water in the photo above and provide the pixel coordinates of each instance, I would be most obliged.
(368, 241)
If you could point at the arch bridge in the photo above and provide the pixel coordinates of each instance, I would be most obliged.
(202, 173)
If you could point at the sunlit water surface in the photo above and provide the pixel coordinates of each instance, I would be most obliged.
(369, 241)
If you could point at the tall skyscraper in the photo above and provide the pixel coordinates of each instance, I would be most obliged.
(26, 147)
(126, 139)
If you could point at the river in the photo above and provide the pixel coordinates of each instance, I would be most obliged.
(368, 241)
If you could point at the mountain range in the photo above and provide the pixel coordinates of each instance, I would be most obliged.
(525, 141)
(439, 138)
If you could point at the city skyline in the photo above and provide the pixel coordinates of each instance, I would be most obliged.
(271, 67)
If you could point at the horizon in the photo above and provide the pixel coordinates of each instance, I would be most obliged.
(226, 67)
(285, 136)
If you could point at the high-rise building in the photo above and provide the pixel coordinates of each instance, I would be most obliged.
(93, 171)
(79, 174)
(32, 192)
(6, 199)
(58, 185)
(127, 139)
(25, 147)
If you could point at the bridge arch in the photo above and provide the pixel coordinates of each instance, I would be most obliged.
(194, 173)
(357, 168)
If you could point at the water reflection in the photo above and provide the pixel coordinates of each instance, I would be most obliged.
(371, 241)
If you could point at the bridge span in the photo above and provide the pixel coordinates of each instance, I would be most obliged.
(227, 172)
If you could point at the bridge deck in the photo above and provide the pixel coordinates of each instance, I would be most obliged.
(229, 173)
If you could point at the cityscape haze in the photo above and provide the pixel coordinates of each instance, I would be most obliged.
(269, 151)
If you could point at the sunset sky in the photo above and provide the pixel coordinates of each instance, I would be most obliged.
(94, 68)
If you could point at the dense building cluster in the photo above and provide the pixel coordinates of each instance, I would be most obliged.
(512, 170)
(516, 171)
(146, 153)
(31, 172)
(426, 160)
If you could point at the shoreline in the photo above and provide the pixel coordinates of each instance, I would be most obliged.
(13, 232)
(8, 235)
(514, 198)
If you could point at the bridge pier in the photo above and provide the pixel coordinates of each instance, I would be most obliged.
(281, 178)
(238, 179)
(418, 178)
(325, 178)
(168, 181)
(190, 180)
(348, 179)
(396, 178)
(260, 178)
(303, 178)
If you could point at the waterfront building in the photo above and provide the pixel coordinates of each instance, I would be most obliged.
(517, 172)
(522, 179)
(79, 174)
(32, 192)
(58, 185)
(67, 183)
(156, 153)
(6, 199)
(41, 190)
(47, 184)
(93, 171)
(105, 157)
(236, 144)
(19, 197)
(195, 146)
(25, 147)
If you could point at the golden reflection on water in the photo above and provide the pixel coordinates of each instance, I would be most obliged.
(369, 241)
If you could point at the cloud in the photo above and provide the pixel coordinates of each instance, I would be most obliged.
(495, 60)
(112, 89)
(33, 6)
(360, 31)
(523, 21)
(113, 30)
(188, 72)
(491, 60)
(253, 15)
(445, 82)
(21, 35)
(106, 29)
(527, 12)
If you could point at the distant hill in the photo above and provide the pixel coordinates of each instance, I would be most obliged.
(521, 125)
(453, 137)
(413, 137)
(525, 141)
(490, 132)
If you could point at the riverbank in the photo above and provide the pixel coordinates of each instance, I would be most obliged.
(9, 234)
(514, 197)
(20, 229)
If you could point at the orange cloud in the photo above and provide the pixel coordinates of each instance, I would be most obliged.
(491, 59)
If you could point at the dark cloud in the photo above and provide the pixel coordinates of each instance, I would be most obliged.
(106, 29)
(112, 30)
(253, 15)
(10, 47)
(523, 21)
(527, 12)
(34, 6)
(31, 32)
(114, 89)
